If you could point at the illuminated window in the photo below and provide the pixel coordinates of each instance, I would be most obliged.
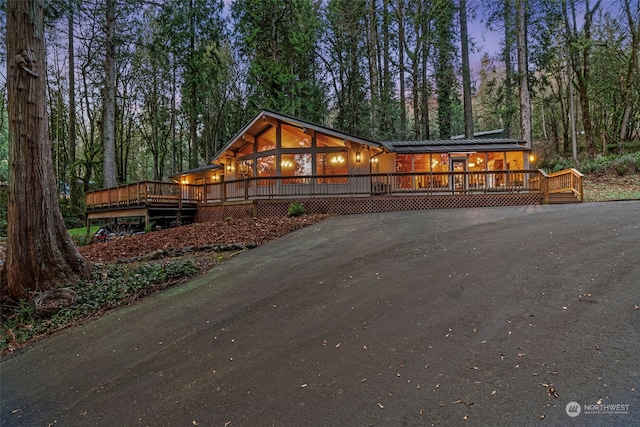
(267, 141)
(266, 167)
(293, 137)
(245, 169)
(295, 165)
(332, 164)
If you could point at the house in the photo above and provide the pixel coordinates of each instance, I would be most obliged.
(277, 159)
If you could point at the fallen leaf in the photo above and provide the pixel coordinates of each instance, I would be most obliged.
(552, 392)
(466, 417)
(303, 385)
(195, 423)
(493, 393)
(380, 405)
(599, 401)
(597, 347)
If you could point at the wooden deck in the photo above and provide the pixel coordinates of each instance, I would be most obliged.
(150, 198)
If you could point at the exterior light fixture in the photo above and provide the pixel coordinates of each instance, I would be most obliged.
(532, 158)
(228, 167)
(374, 160)
(358, 157)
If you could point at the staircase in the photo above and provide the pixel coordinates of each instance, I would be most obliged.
(562, 187)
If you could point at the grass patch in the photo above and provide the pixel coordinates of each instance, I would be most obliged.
(109, 287)
(79, 235)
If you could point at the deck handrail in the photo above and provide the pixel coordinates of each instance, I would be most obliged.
(564, 181)
(309, 186)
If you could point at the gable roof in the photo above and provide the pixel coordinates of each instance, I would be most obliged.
(265, 119)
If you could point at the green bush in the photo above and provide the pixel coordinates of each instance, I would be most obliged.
(296, 209)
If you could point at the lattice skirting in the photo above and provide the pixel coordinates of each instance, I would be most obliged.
(344, 206)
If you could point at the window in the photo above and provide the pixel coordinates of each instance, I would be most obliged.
(266, 167)
(332, 164)
(245, 169)
(293, 137)
(295, 165)
(267, 141)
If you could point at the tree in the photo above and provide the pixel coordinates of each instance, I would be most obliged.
(523, 71)
(279, 38)
(466, 71)
(109, 98)
(40, 252)
(580, 44)
(444, 71)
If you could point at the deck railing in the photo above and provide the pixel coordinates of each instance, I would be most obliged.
(565, 181)
(397, 184)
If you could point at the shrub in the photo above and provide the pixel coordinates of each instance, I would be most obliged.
(296, 209)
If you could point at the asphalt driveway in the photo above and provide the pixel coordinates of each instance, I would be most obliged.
(492, 316)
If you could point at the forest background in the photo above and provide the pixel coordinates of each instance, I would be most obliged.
(142, 89)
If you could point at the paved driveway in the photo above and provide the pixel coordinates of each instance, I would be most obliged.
(496, 316)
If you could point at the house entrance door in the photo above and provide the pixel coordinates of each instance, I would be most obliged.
(459, 167)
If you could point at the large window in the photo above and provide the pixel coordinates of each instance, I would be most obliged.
(295, 165)
(332, 164)
(266, 166)
(293, 137)
(267, 141)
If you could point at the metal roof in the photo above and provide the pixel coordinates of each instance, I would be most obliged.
(456, 145)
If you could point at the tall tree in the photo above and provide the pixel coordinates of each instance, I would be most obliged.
(580, 45)
(632, 72)
(523, 72)
(73, 174)
(109, 98)
(466, 71)
(40, 252)
(279, 38)
(444, 68)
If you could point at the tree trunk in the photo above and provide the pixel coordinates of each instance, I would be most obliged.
(509, 108)
(73, 175)
(401, 69)
(466, 71)
(40, 252)
(523, 71)
(109, 106)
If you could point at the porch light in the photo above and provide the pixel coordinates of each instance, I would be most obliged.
(532, 158)
(358, 157)
(228, 167)
(374, 160)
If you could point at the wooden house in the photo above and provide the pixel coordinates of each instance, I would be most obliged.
(278, 159)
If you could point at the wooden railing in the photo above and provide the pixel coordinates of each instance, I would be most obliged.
(163, 193)
(142, 193)
(565, 181)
